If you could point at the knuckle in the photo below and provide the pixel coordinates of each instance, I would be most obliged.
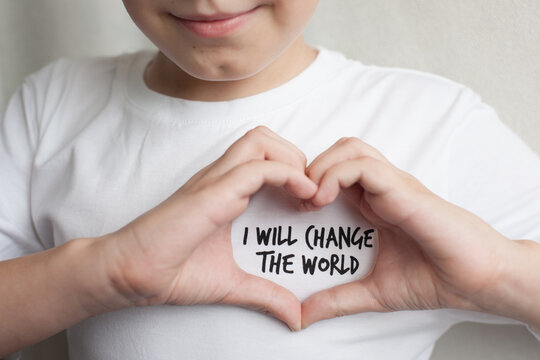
(245, 150)
(310, 172)
(298, 163)
(247, 171)
(353, 145)
(229, 152)
(262, 129)
(413, 182)
(350, 140)
(257, 131)
(337, 308)
(273, 296)
(250, 135)
(251, 163)
(303, 159)
(252, 142)
(368, 162)
(342, 140)
(371, 162)
(261, 308)
(359, 148)
(356, 144)
(333, 172)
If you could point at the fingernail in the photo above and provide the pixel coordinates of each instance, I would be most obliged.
(303, 206)
(297, 327)
(307, 205)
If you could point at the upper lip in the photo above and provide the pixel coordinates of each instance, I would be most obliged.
(213, 17)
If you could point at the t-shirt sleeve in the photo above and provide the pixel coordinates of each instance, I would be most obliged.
(495, 175)
(18, 142)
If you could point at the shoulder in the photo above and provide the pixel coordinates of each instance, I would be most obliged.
(68, 84)
(61, 74)
(395, 77)
(392, 83)
(86, 65)
(403, 97)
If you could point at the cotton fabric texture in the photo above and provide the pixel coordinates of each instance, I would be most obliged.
(86, 147)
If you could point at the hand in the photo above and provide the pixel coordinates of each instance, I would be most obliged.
(432, 254)
(180, 252)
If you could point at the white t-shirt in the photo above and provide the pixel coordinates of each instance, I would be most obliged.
(86, 147)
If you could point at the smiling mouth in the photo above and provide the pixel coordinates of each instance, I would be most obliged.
(215, 26)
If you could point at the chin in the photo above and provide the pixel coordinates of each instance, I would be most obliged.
(223, 72)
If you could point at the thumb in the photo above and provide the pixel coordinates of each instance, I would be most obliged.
(351, 298)
(267, 297)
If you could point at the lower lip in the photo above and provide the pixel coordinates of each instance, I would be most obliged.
(217, 28)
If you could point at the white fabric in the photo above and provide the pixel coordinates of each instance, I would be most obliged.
(86, 147)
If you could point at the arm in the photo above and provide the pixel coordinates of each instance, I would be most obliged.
(49, 291)
(516, 294)
(432, 254)
(162, 257)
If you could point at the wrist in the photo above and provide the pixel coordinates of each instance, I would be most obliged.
(96, 293)
(514, 294)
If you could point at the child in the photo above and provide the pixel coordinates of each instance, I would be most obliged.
(101, 167)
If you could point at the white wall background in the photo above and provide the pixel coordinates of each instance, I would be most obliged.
(492, 46)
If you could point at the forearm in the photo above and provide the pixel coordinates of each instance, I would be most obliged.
(516, 294)
(47, 292)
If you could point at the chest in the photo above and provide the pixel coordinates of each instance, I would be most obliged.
(99, 177)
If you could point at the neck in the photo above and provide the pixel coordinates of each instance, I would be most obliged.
(165, 77)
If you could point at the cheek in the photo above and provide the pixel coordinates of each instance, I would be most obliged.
(232, 59)
(294, 14)
(137, 10)
(151, 19)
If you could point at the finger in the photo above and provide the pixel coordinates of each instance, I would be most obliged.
(344, 149)
(284, 141)
(259, 144)
(246, 179)
(266, 296)
(347, 299)
(233, 190)
(360, 199)
(374, 176)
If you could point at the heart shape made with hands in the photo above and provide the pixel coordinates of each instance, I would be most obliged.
(305, 252)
